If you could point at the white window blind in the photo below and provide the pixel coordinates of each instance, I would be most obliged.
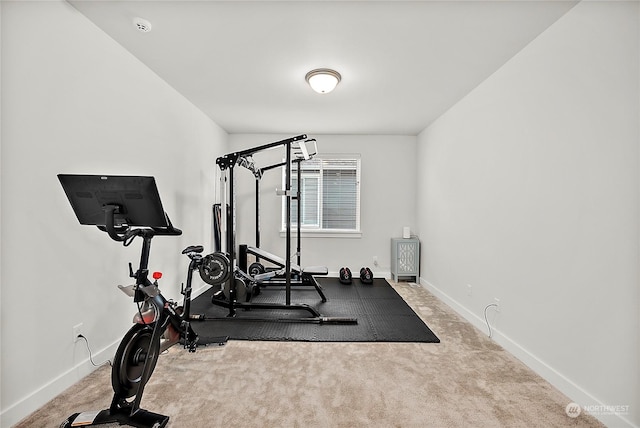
(330, 194)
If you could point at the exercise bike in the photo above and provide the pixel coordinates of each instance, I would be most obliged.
(159, 323)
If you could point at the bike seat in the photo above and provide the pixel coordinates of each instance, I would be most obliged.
(193, 249)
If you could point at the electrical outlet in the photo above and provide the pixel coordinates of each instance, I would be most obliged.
(496, 301)
(469, 290)
(78, 331)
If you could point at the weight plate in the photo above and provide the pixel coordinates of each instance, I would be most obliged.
(241, 289)
(215, 268)
(256, 269)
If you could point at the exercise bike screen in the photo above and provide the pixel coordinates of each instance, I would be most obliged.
(136, 197)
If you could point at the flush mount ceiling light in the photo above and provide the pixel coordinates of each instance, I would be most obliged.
(323, 80)
(142, 25)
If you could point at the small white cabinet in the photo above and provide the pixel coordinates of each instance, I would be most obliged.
(405, 258)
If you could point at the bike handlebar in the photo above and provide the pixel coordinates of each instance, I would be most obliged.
(125, 234)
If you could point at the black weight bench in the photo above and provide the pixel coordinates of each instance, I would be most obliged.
(307, 274)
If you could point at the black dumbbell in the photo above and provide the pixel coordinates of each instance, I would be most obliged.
(366, 276)
(345, 276)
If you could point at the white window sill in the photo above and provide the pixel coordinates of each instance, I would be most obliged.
(323, 234)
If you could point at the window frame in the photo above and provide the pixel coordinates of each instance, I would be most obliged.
(319, 231)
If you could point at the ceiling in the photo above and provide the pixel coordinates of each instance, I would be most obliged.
(403, 63)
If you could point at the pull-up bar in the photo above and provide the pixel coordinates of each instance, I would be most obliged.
(230, 159)
(307, 149)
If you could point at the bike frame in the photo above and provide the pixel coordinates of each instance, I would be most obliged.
(144, 292)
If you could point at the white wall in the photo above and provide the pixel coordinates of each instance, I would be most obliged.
(529, 192)
(74, 101)
(1, 32)
(387, 200)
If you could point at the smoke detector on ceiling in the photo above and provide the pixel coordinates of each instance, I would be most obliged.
(142, 25)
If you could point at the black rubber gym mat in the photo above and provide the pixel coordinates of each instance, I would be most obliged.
(382, 316)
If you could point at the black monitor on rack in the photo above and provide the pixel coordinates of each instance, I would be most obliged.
(136, 199)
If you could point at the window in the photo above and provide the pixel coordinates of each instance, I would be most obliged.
(330, 194)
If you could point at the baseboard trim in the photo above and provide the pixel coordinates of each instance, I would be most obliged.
(24, 407)
(356, 274)
(544, 370)
(382, 274)
(198, 291)
(38, 398)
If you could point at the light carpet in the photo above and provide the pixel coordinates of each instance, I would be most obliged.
(465, 381)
